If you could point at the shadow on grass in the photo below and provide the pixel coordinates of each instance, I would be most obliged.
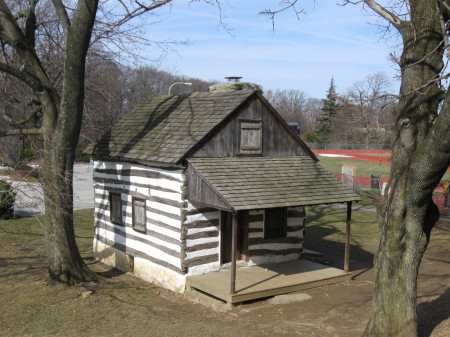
(321, 224)
(429, 318)
(21, 265)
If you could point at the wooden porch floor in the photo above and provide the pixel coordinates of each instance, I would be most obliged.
(267, 280)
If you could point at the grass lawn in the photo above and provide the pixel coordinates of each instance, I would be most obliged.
(325, 232)
(363, 168)
(122, 305)
(386, 154)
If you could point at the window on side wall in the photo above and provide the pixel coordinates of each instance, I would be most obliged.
(275, 222)
(251, 137)
(139, 215)
(115, 208)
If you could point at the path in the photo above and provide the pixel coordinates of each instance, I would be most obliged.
(30, 200)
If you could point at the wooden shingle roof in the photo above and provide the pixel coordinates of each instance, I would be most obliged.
(165, 128)
(259, 183)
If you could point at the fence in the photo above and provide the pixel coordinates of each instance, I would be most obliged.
(374, 187)
(337, 146)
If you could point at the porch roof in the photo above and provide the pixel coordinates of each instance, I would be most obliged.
(244, 183)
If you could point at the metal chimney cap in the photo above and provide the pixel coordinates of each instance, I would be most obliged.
(233, 78)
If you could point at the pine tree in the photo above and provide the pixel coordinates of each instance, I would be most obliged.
(324, 121)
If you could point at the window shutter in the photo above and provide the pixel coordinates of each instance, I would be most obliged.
(139, 215)
(251, 137)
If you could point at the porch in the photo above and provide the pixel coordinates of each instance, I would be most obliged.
(267, 280)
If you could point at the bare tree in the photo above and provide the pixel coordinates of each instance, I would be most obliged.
(145, 82)
(291, 104)
(420, 157)
(114, 90)
(367, 110)
(60, 92)
(106, 98)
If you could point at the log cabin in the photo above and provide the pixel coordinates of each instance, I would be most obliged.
(196, 184)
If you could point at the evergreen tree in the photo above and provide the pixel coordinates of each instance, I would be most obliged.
(324, 121)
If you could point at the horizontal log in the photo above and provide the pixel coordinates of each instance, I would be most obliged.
(145, 173)
(132, 252)
(202, 246)
(197, 261)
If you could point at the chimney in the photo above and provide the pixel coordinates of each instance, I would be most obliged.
(233, 83)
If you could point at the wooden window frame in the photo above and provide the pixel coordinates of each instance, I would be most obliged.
(113, 219)
(138, 226)
(250, 125)
(283, 228)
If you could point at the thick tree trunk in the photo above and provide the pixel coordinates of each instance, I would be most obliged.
(408, 213)
(64, 261)
(62, 123)
(60, 140)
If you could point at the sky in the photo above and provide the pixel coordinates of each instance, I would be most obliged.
(328, 41)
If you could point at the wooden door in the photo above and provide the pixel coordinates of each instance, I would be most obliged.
(226, 237)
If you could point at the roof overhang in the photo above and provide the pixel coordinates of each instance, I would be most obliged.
(244, 183)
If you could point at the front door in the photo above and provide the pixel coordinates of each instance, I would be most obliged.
(226, 236)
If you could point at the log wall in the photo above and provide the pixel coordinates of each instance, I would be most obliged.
(280, 249)
(202, 239)
(162, 191)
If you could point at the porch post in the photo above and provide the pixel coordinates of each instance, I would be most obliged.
(233, 252)
(347, 237)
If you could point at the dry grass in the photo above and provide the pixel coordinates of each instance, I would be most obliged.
(122, 305)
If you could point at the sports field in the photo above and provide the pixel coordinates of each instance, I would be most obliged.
(371, 170)
(367, 162)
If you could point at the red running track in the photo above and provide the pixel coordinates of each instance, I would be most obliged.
(358, 155)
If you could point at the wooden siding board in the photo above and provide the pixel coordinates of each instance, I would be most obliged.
(276, 138)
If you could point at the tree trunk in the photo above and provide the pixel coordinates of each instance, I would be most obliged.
(62, 123)
(419, 159)
(64, 261)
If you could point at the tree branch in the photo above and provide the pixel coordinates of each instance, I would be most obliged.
(31, 68)
(140, 9)
(62, 15)
(22, 121)
(383, 12)
(24, 76)
(289, 4)
(444, 24)
(433, 158)
(15, 132)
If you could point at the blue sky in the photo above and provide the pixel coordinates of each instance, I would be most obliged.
(328, 41)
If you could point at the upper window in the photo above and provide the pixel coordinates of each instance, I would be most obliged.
(251, 137)
(139, 215)
(275, 222)
(115, 208)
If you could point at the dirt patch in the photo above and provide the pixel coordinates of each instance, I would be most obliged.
(122, 305)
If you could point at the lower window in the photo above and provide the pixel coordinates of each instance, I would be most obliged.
(115, 208)
(139, 215)
(275, 222)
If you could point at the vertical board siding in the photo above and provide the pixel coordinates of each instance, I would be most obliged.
(202, 239)
(277, 141)
(162, 191)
